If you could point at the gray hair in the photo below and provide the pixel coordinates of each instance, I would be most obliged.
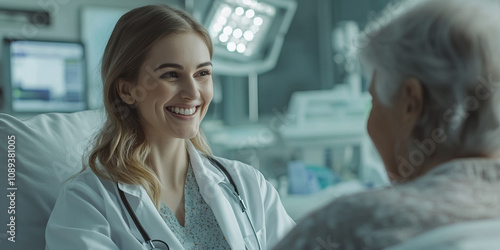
(453, 48)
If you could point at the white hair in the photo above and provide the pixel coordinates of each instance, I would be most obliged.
(453, 48)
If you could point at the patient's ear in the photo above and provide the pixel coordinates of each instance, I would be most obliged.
(412, 101)
(124, 90)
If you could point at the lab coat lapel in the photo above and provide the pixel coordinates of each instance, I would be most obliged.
(208, 178)
(148, 216)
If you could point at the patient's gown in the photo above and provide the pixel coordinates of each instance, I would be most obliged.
(457, 191)
(201, 230)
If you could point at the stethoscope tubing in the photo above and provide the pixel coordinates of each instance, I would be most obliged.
(138, 224)
(234, 191)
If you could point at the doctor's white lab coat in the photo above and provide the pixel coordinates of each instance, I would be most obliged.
(89, 213)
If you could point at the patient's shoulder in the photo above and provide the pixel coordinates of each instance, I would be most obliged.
(370, 219)
(341, 224)
(385, 217)
(368, 207)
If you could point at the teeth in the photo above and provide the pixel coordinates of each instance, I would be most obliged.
(182, 111)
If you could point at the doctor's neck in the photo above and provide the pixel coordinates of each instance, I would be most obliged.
(170, 161)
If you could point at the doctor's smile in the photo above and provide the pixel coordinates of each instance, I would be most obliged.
(182, 111)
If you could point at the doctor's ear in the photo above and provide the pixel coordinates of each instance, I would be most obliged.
(124, 90)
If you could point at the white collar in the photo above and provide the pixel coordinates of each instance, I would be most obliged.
(202, 167)
(204, 171)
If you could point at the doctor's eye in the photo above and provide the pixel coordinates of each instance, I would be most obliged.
(169, 75)
(204, 73)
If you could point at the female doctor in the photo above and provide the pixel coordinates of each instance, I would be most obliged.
(152, 181)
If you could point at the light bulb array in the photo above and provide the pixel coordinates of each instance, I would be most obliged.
(240, 25)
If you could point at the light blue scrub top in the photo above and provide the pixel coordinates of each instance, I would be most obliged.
(201, 230)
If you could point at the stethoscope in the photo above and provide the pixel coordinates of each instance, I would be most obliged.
(160, 244)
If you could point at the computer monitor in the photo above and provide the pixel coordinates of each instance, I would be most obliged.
(43, 76)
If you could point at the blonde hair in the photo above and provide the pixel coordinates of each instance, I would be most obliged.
(121, 147)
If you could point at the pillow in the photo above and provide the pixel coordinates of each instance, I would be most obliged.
(48, 150)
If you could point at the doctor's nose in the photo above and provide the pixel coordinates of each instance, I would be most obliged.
(190, 89)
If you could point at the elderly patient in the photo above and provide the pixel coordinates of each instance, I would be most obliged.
(435, 69)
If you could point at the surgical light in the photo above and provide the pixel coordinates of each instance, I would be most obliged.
(242, 20)
(241, 48)
(226, 11)
(239, 11)
(228, 30)
(247, 35)
(217, 27)
(250, 13)
(231, 46)
(222, 20)
(237, 33)
(257, 21)
(223, 38)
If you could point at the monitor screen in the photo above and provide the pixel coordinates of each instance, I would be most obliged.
(44, 76)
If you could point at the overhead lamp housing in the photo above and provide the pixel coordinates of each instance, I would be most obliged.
(247, 34)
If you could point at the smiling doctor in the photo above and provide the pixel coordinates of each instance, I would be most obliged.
(152, 181)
